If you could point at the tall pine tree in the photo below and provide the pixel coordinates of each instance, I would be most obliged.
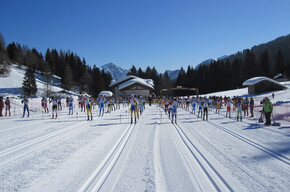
(29, 84)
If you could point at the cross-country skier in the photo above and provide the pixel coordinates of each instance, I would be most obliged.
(7, 106)
(252, 106)
(54, 102)
(59, 107)
(205, 109)
(109, 103)
(44, 105)
(102, 105)
(193, 103)
(229, 106)
(133, 108)
(82, 100)
(239, 109)
(246, 107)
(170, 109)
(200, 103)
(88, 103)
(187, 104)
(174, 111)
(166, 105)
(71, 102)
(210, 103)
(140, 105)
(1, 106)
(219, 104)
(25, 107)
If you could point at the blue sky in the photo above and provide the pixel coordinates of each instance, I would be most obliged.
(166, 34)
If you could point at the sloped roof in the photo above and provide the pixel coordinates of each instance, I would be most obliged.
(121, 80)
(106, 93)
(145, 82)
(256, 80)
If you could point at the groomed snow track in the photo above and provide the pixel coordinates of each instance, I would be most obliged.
(217, 181)
(102, 172)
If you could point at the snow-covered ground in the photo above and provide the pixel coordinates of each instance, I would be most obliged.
(110, 154)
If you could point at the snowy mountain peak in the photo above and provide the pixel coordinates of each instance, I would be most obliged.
(116, 71)
(211, 60)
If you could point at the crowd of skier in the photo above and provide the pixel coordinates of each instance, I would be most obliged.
(202, 105)
(136, 104)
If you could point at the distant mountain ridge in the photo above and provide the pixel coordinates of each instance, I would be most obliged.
(211, 60)
(173, 74)
(116, 71)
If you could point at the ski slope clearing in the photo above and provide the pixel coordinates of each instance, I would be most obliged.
(110, 154)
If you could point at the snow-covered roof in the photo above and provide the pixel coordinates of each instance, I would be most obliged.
(256, 80)
(122, 80)
(106, 93)
(127, 81)
(145, 82)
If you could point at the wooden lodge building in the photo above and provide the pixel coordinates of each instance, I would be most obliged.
(129, 85)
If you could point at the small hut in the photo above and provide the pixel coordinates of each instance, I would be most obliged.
(258, 85)
(106, 93)
(281, 78)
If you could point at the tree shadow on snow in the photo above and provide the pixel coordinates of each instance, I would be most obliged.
(287, 127)
(253, 126)
(228, 122)
(109, 124)
(278, 149)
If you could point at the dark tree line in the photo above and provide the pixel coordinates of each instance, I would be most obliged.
(72, 70)
(226, 75)
(267, 59)
(263, 60)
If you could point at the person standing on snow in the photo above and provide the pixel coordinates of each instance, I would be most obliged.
(7, 106)
(59, 107)
(88, 103)
(71, 103)
(25, 107)
(246, 107)
(133, 108)
(102, 105)
(252, 106)
(174, 111)
(200, 105)
(267, 109)
(229, 106)
(54, 101)
(1, 106)
(193, 103)
(44, 105)
(166, 105)
(239, 109)
(205, 109)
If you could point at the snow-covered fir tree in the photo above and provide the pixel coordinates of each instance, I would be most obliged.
(29, 84)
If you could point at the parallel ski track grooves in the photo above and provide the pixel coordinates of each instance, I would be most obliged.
(35, 144)
(266, 150)
(181, 132)
(261, 126)
(25, 125)
(252, 143)
(108, 163)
